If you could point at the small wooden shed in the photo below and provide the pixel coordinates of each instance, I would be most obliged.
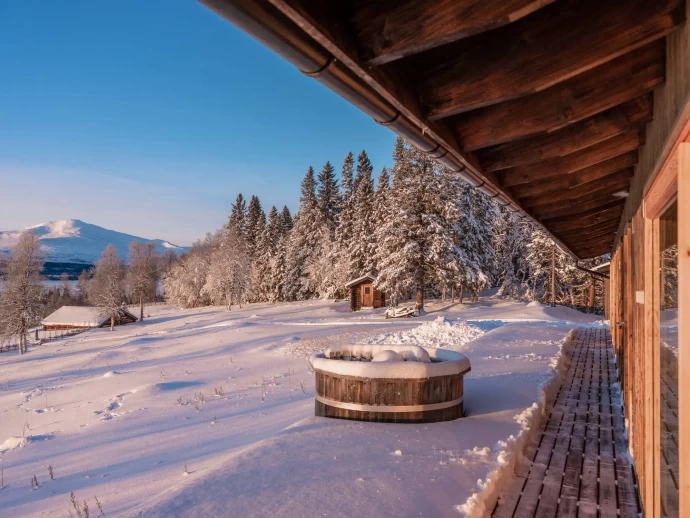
(364, 295)
(83, 317)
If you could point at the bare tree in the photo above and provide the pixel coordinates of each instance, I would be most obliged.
(82, 287)
(142, 273)
(65, 285)
(229, 270)
(20, 301)
(106, 289)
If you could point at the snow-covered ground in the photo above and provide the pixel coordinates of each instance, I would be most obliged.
(230, 395)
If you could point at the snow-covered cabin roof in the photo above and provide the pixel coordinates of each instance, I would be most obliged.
(365, 277)
(79, 316)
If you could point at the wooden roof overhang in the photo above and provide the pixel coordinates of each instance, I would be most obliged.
(541, 104)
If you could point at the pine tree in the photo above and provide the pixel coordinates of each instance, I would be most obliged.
(381, 198)
(304, 239)
(477, 240)
(238, 214)
(255, 223)
(286, 221)
(362, 246)
(513, 235)
(417, 241)
(344, 233)
(328, 195)
(273, 225)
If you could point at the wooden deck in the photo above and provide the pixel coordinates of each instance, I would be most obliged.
(580, 466)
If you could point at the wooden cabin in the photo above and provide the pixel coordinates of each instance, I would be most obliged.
(574, 114)
(83, 317)
(364, 295)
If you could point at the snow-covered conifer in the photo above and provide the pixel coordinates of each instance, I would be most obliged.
(256, 221)
(238, 214)
(328, 195)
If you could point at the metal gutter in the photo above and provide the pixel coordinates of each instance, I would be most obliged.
(267, 24)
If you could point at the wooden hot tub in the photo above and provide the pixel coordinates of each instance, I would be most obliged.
(426, 385)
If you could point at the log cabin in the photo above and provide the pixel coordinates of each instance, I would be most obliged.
(83, 317)
(574, 114)
(363, 294)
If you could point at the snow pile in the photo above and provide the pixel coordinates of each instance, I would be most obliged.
(411, 353)
(387, 356)
(441, 333)
(13, 443)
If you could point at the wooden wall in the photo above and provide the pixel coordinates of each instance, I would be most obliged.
(634, 301)
(671, 110)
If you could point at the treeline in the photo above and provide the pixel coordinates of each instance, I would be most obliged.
(418, 228)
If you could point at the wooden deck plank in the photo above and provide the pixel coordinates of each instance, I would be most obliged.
(583, 444)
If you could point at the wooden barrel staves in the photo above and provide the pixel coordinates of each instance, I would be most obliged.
(417, 388)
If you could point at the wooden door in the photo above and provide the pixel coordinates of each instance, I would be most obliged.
(367, 295)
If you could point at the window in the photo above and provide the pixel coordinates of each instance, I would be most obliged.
(366, 291)
(668, 361)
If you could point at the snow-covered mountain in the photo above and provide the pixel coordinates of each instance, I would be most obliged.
(74, 241)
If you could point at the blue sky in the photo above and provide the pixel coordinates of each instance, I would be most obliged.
(148, 117)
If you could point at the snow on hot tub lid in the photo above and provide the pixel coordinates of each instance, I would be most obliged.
(441, 362)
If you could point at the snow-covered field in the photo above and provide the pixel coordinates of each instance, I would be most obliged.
(230, 395)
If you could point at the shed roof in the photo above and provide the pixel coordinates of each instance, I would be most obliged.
(79, 316)
(365, 277)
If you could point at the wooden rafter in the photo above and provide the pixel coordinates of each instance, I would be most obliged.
(587, 222)
(569, 139)
(392, 29)
(585, 203)
(553, 45)
(578, 178)
(610, 184)
(583, 212)
(607, 86)
(590, 156)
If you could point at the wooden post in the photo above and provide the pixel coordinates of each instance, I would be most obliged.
(553, 276)
(460, 294)
(452, 293)
(420, 299)
(591, 295)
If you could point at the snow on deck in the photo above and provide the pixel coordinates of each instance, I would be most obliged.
(118, 414)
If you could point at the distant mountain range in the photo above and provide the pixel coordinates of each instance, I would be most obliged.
(74, 241)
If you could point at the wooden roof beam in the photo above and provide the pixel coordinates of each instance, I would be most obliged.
(569, 139)
(578, 178)
(583, 212)
(553, 45)
(584, 203)
(610, 184)
(390, 30)
(588, 222)
(608, 228)
(590, 156)
(609, 85)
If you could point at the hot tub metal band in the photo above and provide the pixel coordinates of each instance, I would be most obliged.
(387, 408)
